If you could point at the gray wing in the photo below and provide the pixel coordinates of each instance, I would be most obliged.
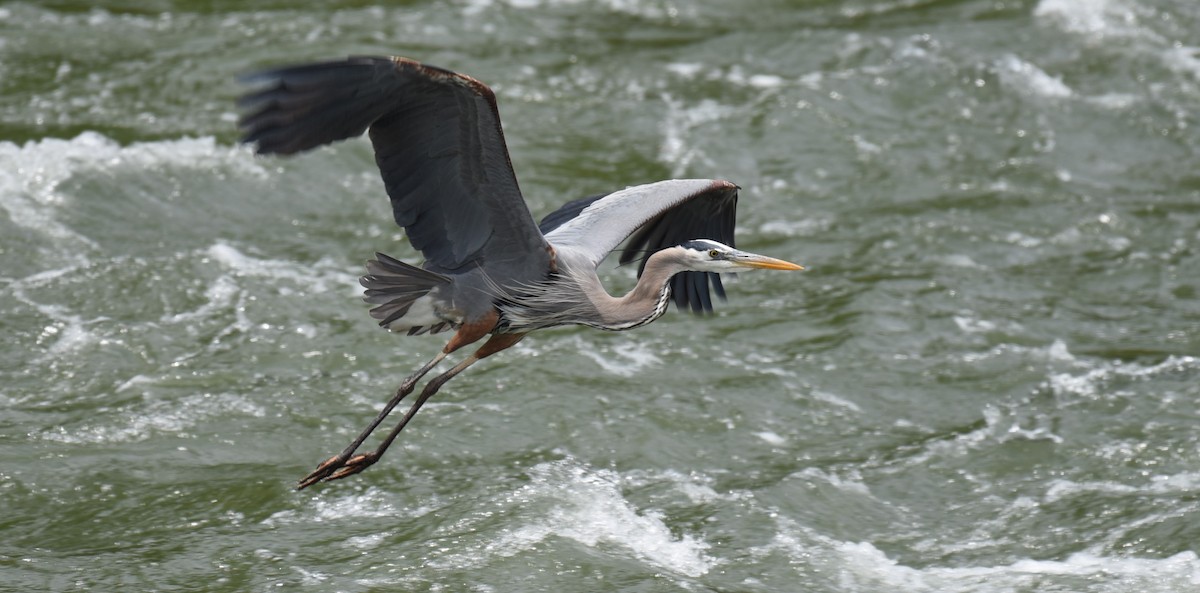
(566, 212)
(438, 144)
(657, 215)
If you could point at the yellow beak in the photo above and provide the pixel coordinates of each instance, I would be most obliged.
(751, 260)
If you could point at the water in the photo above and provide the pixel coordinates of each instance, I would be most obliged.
(988, 380)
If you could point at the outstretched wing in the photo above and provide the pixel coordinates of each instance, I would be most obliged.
(438, 144)
(657, 215)
(565, 213)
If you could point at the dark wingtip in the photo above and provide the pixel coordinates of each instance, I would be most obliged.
(293, 108)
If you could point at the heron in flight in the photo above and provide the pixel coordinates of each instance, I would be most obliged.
(489, 269)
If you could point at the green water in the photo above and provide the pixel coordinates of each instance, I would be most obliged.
(987, 381)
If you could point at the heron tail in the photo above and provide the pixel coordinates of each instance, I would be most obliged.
(394, 286)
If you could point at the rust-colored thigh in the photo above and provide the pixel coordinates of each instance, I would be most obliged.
(497, 343)
(471, 331)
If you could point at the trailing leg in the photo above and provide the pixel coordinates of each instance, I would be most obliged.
(360, 462)
(337, 461)
(467, 334)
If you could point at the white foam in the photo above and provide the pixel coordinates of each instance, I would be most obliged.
(1001, 424)
(373, 503)
(625, 358)
(226, 294)
(812, 80)
(837, 400)
(867, 568)
(1022, 240)
(220, 294)
(1094, 19)
(973, 326)
(795, 228)
(175, 416)
(771, 438)
(591, 509)
(851, 484)
(1091, 382)
(366, 542)
(1078, 16)
(1182, 58)
(31, 181)
(1056, 351)
(1159, 484)
(69, 330)
(640, 8)
(1028, 78)
(685, 69)
(676, 151)
(31, 173)
(856, 567)
(566, 499)
(695, 486)
(320, 276)
(29, 177)
(765, 81)
(1115, 101)
(865, 147)
(959, 260)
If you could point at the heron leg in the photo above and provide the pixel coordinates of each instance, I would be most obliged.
(360, 462)
(337, 461)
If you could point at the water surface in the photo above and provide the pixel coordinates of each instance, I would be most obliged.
(988, 380)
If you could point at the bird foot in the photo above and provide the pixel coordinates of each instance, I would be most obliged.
(337, 467)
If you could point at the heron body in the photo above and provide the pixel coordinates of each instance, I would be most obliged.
(488, 269)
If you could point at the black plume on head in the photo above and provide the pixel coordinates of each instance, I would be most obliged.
(701, 245)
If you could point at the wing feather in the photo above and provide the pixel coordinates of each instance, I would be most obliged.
(438, 144)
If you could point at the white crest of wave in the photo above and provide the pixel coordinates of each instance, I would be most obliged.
(162, 416)
(320, 276)
(866, 568)
(1092, 382)
(589, 508)
(372, 503)
(36, 168)
(625, 358)
(69, 329)
(31, 173)
(697, 487)
(1180, 484)
(680, 125)
(1027, 77)
(849, 482)
(650, 9)
(566, 499)
(771, 438)
(860, 567)
(1101, 22)
(1094, 18)
(1184, 59)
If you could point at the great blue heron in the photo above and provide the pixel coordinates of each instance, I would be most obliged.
(488, 268)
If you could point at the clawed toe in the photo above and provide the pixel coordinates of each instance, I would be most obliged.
(354, 465)
(338, 467)
(323, 471)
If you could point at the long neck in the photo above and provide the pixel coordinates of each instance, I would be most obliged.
(647, 301)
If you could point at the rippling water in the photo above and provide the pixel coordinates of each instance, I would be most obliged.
(988, 381)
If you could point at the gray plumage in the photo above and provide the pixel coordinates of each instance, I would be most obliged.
(488, 268)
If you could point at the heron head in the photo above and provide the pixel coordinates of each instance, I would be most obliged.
(706, 255)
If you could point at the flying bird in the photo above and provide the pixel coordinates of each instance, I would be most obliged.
(489, 269)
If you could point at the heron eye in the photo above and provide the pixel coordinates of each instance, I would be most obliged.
(713, 253)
